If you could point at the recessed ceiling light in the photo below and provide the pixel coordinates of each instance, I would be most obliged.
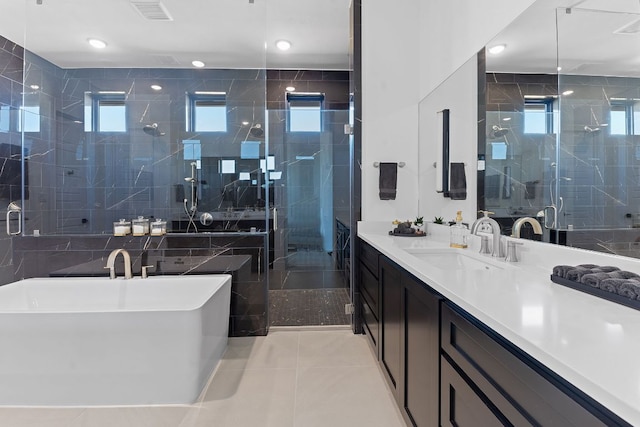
(97, 43)
(559, 68)
(197, 64)
(156, 87)
(283, 44)
(506, 119)
(567, 92)
(497, 49)
(245, 123)
(290, 88)
(34, 87)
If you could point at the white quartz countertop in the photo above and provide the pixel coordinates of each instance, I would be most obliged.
(592, 343)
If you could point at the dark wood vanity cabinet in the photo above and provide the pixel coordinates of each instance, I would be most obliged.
(370, 293)
(446, 368)
(487, 381)
(409, 343)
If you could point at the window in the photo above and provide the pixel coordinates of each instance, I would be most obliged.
(5, 118)
(207, 112)
(29, 119)
(538, 116)
(618, 121)
(623, 117)
(105, 112)
(304, 112)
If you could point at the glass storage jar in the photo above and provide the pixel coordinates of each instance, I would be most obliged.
(122, 227)
(158, 227)
(140, 226)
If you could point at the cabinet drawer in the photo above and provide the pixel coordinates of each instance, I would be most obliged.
(463, 406)
(369, 289)
(512, 380)
(369, 257)
(370, 323)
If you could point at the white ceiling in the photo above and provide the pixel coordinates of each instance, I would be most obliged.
(221, 33)
(587, 43)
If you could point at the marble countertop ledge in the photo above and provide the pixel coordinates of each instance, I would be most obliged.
(592, 343)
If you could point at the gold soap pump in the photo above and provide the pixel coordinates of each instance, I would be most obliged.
(458, 233)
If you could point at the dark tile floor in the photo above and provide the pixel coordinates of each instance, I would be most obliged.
(308, 307)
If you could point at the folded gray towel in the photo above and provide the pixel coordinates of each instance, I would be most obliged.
(587, 265)
(607, 268)
(594, 279)
(561, 270)
(628, 274)
(611, 285)
(388, 180)
(630, 288)
(577, 272)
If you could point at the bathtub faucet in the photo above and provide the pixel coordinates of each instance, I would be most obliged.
(111, 263)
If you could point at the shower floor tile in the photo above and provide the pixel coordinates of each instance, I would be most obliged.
(308, 307)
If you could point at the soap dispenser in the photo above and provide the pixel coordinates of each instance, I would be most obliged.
(459, 233)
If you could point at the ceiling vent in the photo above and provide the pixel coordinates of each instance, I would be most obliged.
(629, 29)
(152, 10)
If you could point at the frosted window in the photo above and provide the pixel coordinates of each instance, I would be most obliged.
(29, 119)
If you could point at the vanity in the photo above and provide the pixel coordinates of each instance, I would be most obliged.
(466, 339)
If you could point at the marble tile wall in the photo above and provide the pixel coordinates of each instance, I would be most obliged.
(11, 88)
(240, 254)
(599, 171)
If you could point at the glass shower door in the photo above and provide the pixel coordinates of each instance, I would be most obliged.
(310, 181)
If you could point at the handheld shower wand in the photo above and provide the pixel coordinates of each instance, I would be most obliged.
(191, 211)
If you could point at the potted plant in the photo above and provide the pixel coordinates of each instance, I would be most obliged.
(438, 220)
(419, 223)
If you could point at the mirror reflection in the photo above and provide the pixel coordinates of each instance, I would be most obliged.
(561, 138)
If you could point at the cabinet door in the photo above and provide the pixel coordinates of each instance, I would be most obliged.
(391, 297)
(461, 405)
(421, 353)
(524, 392)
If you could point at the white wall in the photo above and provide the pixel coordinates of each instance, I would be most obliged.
(408, 49)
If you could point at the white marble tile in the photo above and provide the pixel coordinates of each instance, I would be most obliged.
(150, 416)
(334, 348)
(277, 350)
(344, 396)
(246, 398)
(38, 417)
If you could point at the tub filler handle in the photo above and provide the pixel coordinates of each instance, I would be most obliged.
(145, 273)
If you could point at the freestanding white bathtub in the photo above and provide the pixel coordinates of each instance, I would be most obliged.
(96, 341)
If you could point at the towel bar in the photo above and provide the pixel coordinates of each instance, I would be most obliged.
(400, 164)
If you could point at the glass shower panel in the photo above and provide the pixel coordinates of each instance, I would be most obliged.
(519, 164)
(311, 193)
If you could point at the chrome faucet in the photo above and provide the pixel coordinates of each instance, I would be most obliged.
(111, 261)
(521, 221)
(495, 230)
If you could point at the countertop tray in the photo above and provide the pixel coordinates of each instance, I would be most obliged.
(391, 233)
(596, 292)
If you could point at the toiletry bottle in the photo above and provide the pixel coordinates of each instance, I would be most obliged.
(459, 233)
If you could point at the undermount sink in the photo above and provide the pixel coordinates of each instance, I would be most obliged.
(453, 259)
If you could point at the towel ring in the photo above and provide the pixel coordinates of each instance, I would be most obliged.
(400, 164)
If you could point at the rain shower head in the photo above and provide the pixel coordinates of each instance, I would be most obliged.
(152, 130)
(256, 131)
(498, 132)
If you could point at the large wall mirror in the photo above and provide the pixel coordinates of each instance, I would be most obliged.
(561, 141)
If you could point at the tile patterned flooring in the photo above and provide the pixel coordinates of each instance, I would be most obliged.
(291, 378)
(306, 307)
